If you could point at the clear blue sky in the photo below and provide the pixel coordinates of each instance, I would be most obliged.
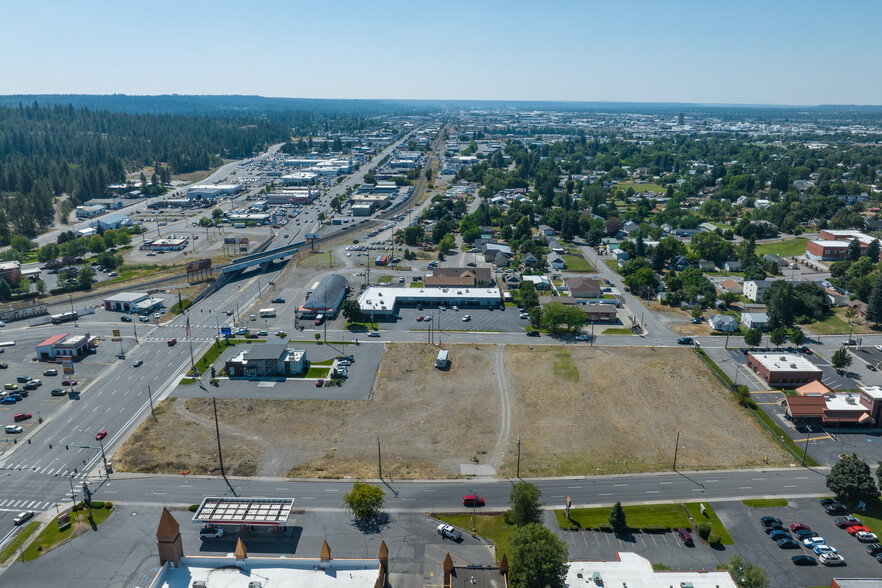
(768, 52)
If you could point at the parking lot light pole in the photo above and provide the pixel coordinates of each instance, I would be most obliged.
(676, 449)
(805, 450)
(519, 457)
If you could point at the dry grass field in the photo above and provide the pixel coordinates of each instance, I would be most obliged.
(429, 422)
(621, 411)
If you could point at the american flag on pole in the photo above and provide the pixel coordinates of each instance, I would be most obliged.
(187, 328)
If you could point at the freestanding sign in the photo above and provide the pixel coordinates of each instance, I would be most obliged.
(67, 366)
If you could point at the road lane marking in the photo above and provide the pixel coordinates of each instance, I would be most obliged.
(619, 485)
(755, 479)
(711, 480)
(744, 487)
(665, 482)
(653, 491)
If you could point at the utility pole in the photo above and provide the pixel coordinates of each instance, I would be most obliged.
(676, 448)
(150, 399)
(519, 457)
(379, 459)
(220, 455)
(805, 450)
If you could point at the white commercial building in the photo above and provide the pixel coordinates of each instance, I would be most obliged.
(635, 571)
(385, 302)
(212, 191)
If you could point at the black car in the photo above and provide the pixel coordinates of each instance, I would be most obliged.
(788, 543)
(771, 521)
(804, 534)
(125, 319)
(684, 341)
(879, 557)
(835, 508)
(743, 350)
(3, 366)
(874, 549)
(804, 560)
(778, 534)
(533, 334)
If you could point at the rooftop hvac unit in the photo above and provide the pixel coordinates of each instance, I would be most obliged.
(793, 366)
(254, 584)
(783, 358)
(851, 400)
(198, 584)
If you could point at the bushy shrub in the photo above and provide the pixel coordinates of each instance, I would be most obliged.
(108, 505)
(655, 529)
(714, 540)
(194, 507)
(704, 530)
(97, 504)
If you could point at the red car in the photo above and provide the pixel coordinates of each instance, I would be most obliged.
(101, 435)
(857, 529)
(172, 341)
(229, 313)
(319, 383)
(472, 500)
(69, 382)
(799, 527)
(420, 319)
(22, 416)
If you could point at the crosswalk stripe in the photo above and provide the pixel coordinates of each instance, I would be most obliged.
(32, 504)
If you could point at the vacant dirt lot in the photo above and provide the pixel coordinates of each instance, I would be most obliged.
(429, 422)
(621, 412)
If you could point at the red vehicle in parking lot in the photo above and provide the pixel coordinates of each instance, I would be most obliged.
(69, 382)
(857, 529)
(799, 527)
(22, 416)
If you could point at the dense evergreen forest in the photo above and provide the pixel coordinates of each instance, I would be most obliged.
(50, 150)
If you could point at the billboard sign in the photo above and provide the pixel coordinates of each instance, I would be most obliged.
(226, 331)
(67, 366)
(198, 265)
(312, 236)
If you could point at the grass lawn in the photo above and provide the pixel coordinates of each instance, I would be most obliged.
(209, 357)
(617, 331)
(613, 265)
(836, 323)
(18, 541)
(416, 284)
(648, 187)
(709, 516)
(670, 516)
(179, 306)
(384, 280)
(577, 263)
(872, 516)
(492, 527)
(765, 502)
(785, 248)
(52, 537)
(564, 366)
(327, 362)
(318, 372)
(187, 381)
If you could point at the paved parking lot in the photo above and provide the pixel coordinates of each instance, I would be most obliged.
(743, 524)
(362, 374)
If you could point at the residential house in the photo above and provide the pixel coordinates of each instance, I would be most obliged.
(490, 250)
(529, 260)
(556, 261)
(755, 320)
(539, 282)
(584, 287)
(679, 263)
(732, 266)
(723, 322)
(729, 286)
(501, 259)
(546, 231)
(707, 266)
(755, 289)
(771, 258)
(630, 228)
(511, 281)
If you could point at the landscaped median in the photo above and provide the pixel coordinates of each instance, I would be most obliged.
(82, 520)
(648, 518)
(492, 527)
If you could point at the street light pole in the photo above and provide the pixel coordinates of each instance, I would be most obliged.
(676, 449)
(519, 457)
(379, 459)
(805, 450)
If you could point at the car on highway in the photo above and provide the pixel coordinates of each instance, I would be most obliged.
(686, 537)
(865, 537)
(831, 559)
(22, 416)
(581, 337)
(101, 435)
(69, 382)
(278, 300)
(472, 500)
(532, 333)
(374, 334)
(125, 319)
(871, 367)
(58, 392)
(847, 521)
(172, 342)
(210, 532)
(803, 560)
(449, 532)
(848, 342)
(52, 372)
(788, 543)
(137, 362)
(23, 517)
(684, 341)
(855, 529)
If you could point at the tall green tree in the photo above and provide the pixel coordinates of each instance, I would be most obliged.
(874, 303)
(873, 251)
(781, 302)
(778, 336)
(797, 337)
(5, 290)
(364, 501)
(853, 251)
(525, 507)
(850, 479)
(537, 558)
(84, 278)
(746, 574)
(841, 359)
(753, 337)
(617, 518)
(351, 311)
